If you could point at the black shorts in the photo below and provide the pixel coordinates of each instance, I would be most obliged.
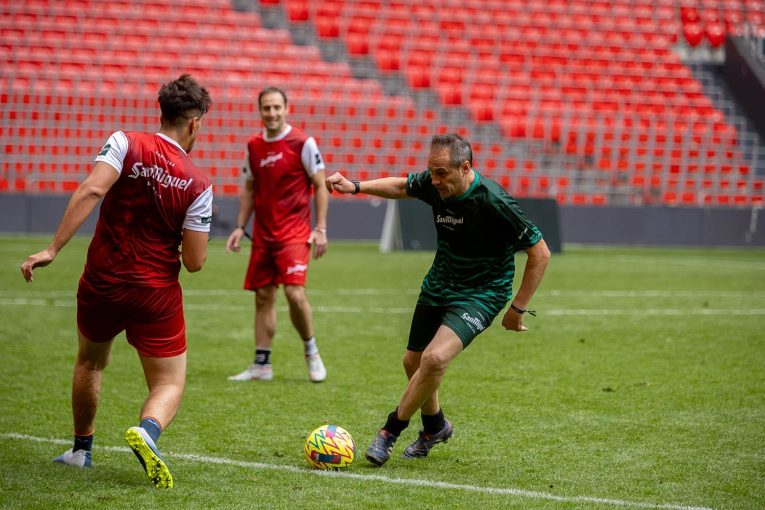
(467, 321)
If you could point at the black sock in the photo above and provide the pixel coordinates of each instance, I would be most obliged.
(394, 425)
(263, 356)
(433, 423)
(83, 443)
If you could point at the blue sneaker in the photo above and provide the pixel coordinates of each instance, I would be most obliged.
(379, 451)
(148, 455)
(422, 445)
(80, 458)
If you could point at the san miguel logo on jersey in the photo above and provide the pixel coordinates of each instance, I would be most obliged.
(449, 220)
(158, 174)
(271, 159)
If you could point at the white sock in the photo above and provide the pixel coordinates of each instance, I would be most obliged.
(309, 346)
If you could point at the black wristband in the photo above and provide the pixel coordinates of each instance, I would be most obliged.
(356, 186)
(521, 310)
(241, 226)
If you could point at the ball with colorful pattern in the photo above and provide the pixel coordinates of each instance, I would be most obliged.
(329, 447)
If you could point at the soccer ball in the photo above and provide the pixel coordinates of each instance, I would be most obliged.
(329, 447)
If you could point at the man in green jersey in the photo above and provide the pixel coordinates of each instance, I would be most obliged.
(480, 228)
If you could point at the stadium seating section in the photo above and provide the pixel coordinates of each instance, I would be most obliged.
(587, 101)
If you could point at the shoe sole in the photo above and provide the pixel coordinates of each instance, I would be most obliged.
(376, 462)
(155, 467)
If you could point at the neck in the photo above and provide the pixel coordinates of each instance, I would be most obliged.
(274, 133)
(469, 181)
(183, 141)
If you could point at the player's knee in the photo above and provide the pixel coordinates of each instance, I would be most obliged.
(92, 358)
(92, 363)
(434, 362)
(411, 364)
(264, 297)
(295, 295)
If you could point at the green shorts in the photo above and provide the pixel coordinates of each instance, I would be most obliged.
(467, 322)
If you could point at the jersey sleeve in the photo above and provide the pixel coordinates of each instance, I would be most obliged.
(524, 234)
(419, 185)
(311, 157)
(199, 213)
(114, 151)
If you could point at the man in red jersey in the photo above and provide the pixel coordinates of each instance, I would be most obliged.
(282, 165)
(154, 200)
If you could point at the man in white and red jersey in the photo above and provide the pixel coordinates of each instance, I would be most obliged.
(154, 200)
(282, 167)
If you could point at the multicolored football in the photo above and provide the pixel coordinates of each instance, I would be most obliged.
(329, 447)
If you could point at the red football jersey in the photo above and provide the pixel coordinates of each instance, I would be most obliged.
(280, 169)
(159, 193)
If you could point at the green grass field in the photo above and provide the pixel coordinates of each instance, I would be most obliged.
(640, 384)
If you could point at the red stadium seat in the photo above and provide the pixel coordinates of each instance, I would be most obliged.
(715, 34)
(693, 33)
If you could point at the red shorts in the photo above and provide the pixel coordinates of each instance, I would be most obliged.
(286, 264)
(152, 318)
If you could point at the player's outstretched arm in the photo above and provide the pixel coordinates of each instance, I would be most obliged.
(83, 201)
(387, 187)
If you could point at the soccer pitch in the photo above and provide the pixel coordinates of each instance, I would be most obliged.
(640, 384)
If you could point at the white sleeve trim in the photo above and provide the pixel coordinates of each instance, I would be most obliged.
(311, 157)
(114, 151)
(199, 213)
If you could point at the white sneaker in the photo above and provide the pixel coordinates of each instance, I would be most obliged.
(254, 372)
(316, 370)
(80, 458)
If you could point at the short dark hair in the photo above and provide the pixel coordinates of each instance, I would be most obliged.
(272, 90)
(459, 148)
(183, 98)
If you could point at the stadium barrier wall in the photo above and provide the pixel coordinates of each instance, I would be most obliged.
(363, 220)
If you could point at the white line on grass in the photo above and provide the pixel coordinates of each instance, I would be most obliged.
(70, 303)
(380, 478)
(654, 311)
(717, 263)
(623, 293)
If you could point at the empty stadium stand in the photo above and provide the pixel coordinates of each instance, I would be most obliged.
(592, 102)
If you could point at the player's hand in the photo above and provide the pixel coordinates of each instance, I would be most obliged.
(319, 241)
(233, 241)
(513, 321)
(40, 259)
(336, 182)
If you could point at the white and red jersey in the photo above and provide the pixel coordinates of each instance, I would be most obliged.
(158, 194)
(280, 169)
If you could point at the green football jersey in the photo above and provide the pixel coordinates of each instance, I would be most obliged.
(478, 234)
